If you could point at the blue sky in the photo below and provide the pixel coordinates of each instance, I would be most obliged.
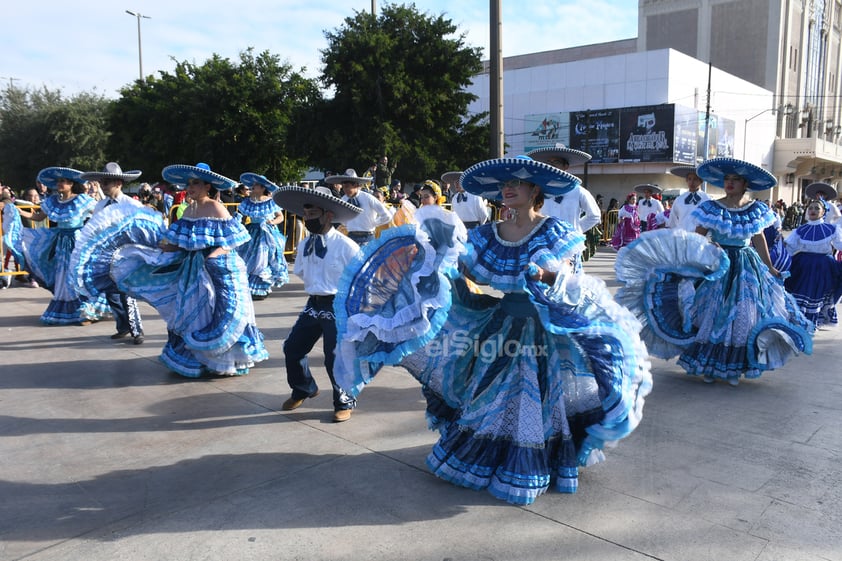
(91, 45)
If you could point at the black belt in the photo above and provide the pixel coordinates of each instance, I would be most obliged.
(322, 298)
(360, 233)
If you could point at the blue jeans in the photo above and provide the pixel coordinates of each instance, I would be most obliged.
(126, 313)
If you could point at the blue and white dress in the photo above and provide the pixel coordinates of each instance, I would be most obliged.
(816, 277)
(46, 255)
(720, 310)
(523, 388)
(264, 254)
(205, 301)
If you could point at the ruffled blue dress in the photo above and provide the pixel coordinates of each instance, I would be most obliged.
(522, 388)
(46, 255)
(816, 277)
(264, 253)
(205, 301)
(719, 309)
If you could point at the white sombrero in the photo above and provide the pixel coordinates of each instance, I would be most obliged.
(485, 178)
(350, 175)
(182, 173)
(112, 170)
(826, 189)
(48, 176)
(548, 154)
(251, 179)
(296, 199)
(714, 171)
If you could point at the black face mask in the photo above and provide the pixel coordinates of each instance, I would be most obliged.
(314, 225)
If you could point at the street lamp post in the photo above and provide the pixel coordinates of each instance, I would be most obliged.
(787, 110)
(138, 15)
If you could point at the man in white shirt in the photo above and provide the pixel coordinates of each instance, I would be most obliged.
(647, 205)
(683, 206)
(471, 209)
(374, 213)
(126, 313)
(319, 261)
(826, 193)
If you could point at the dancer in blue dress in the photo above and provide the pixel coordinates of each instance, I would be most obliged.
(723, 308)
(264, 254)
(46, 252)
(190, 272)
(523, 389)
(816, 277)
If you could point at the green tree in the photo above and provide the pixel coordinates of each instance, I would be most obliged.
(39, 128)
(235, 117)
(399, 80)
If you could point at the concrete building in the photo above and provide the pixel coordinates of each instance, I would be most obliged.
(773, 81)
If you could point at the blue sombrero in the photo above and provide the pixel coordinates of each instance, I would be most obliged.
(486, 178)
(547, 154)
(250, 179)
(48, 176)
(182, 173)
(714, 171)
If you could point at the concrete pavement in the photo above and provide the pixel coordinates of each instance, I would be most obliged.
(104, 455)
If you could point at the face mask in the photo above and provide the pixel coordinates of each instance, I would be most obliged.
(314, 225)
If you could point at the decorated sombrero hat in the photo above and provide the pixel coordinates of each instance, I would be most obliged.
(714, 171)
(182, 173)
(251, 179)
(826, 189)
(486, 178)
(643, 187)
(112, 170)
(548, 154)
(683, 171)
(48, 176)
(451, 177)
(350, 175)
(296, 199)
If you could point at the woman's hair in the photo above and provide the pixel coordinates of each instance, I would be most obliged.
(433, 188)
(630, 195)
(78, 188)
(539, 201)
(818, 202)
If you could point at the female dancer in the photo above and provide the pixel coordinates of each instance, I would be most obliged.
(47, 251)
(525, 388)
(264, 254)
(735, 319)
(628, 223)
(191, 273)
(816, 277)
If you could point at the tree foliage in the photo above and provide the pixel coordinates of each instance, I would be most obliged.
(235, 117)
(399, 81)
(39, 128)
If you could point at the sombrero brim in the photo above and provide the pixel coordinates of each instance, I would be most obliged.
(548, 153)
(647, 186)
(683, 171)
(48, 176)
(813, 189)
(714, 171)
(333, 179)
(485, 178)
(182, 173)
(250, 179)
(451, 177)
(294, 199)
(126, 176)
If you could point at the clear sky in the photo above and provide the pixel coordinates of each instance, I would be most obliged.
(91, 45)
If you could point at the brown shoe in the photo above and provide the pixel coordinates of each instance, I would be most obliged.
(341, 416)
(293, 403)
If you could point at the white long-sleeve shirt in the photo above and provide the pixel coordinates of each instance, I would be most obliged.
(578, 208)
(373, 215)
(681, 210)
(469, 207)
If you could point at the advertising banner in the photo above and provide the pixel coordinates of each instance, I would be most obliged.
(597, 133)
(646, 133)
(546, 129)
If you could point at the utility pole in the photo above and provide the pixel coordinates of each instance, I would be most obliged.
(496, 82)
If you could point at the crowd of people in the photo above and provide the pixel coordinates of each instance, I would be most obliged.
(524, 388)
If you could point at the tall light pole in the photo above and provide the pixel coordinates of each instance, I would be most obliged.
(138, 15)
(787, 109)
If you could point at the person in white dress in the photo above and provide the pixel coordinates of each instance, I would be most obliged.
(647, 205)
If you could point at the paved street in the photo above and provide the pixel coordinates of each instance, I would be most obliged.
(104, 456)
